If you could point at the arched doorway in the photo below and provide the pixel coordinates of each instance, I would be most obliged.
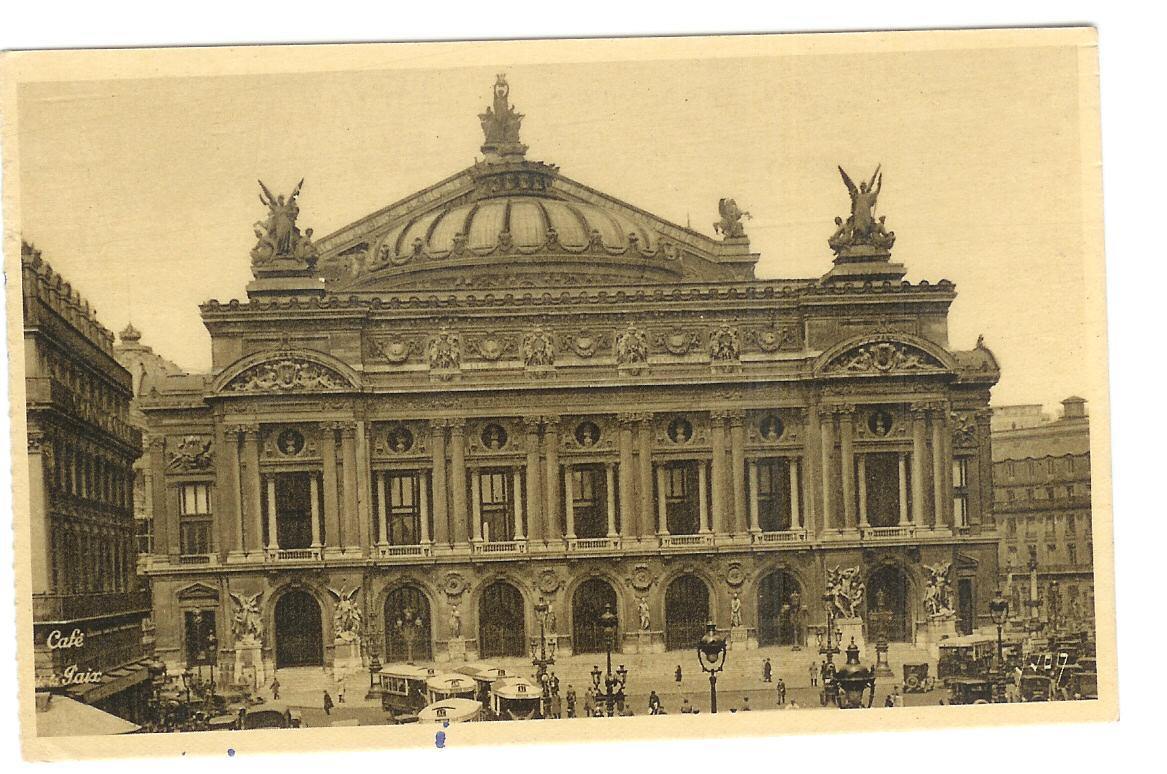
(299, 631)
(780, 610)
(887, 599)
(590, 599)
(408, 627)
(686, 612)
(501, 623)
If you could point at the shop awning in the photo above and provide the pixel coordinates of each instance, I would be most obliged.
(113, 682)
(62, 716)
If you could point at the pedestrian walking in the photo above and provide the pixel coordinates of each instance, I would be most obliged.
(328, 705)
(553, 683)
(745, 704)
(556, 706)
(677, 675)
(889, 701)
(653, 703)
(814, 674)
(686, 707)
(767, 670)
(570, 701)
(589, 703)
(340, 690)
(275, 688)
(780, 687)
(897, 697)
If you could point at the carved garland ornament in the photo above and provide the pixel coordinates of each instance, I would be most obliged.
(289, 374)
(882, 357)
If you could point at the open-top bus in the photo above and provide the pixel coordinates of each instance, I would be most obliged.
(516, 698)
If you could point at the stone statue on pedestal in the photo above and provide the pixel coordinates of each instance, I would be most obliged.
(862, 229)
(730, 225)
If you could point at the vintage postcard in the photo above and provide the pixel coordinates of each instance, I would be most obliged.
(380, 395)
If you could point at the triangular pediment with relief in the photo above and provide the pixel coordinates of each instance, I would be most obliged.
(290, 371)
(198, 592)
(879, 356)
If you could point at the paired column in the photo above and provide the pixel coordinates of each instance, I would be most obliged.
(826, 442)
(229, 492)
(717, 441)
(534, 497)
(423, 491)
(862, 461)
(273, 542)
(903, 480)
(551, 455)
(754, 525)
(441, 483)
(252, 487)
(847, 464)
(645, 520)
(458, 483)
(350, 518)
(382, 511)
(796, 518)
(627, 477)
(939, 463)
(518, 499)
(610, 490)
(703, 494)
(331, 502)
(737, 445)
(569, 501)
(918, 450)
(476, 502)
(662, 509)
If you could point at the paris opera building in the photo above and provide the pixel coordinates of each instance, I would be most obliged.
(510, 392)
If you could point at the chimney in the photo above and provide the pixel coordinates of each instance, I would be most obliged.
(1074, 407)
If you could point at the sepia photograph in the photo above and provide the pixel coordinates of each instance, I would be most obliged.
(644, 388)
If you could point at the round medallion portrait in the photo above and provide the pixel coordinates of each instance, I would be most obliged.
(771, 428)
(494, 437)
(587, 434)
(290, 441)
(879, 422)
(680, 430)
(400, 439)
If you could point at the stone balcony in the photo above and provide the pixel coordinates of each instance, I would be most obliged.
(783, 537)
(314, 554)
(499, 548)
(580, 545)
(898, 532)
(404, 553)
(698, 541)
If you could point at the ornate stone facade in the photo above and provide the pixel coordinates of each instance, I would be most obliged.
(658, 429)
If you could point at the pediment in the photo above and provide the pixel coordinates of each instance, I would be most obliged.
(198, 592)
(287, 371)
(886, 354)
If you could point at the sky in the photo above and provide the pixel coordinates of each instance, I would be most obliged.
(142, 191)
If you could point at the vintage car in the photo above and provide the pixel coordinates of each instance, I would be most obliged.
(968, 656)
(1036, 686)
(973, 690)
(917, 679)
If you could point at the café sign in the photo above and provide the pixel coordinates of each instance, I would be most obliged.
(72, 674)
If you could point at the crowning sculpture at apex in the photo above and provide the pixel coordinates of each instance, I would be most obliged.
(730, 225)
(501, 123)
(862, 229)
(279, 236)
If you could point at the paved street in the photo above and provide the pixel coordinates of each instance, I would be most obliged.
(303, 688)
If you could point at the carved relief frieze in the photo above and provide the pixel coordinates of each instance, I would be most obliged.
(400, 439)
(964, 428)
(394, 349)
(444, 354)
(773, 338)
(538, 349)
(586, 343)
(288, 374)
(495, 436)
(191, 453)
(881, 357)
(632, 350)
(677, 341)
(491, 346)
(588, 434)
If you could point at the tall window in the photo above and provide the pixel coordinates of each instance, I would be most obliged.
(1072, 553)
(200, 637)
(403, 512)
(495, 491)
(195, 519)
(589, 501)
(682, 510)
(960, 492)
(774, 502)
(145, 535)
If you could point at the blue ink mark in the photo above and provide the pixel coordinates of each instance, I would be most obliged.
(445, 724)
(440, 739)
(230, 752)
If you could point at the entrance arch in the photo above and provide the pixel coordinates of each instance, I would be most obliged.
(502, 625)
(408, 626)
(588, 603)
(780, 609)
(686, 612)
(299, 630)
(888, 592)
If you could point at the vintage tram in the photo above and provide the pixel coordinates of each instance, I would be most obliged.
(403, 690)
(516, 698)
(451, 710)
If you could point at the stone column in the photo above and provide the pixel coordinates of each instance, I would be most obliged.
(253, 493)
(458, 482)
(847, 465)
(364, 486)
(737, 444)
(228, 477)
(534, 497)
(903, 480)
(662, 507)
(273, 542)
(569, 502)
(518, 498)
(610, 491)
(795, 511)
(331, 504)
(717, 485)
(423, 492)
(754, 521)
(382, 511)
(703, 494)
(441, 483)
(918, 419)
(862, 460)
(350, 519)
(551, 456)
(644, 523)
(938, 468)
(314, 493)
(476, 501)
(627, 477)
(826, 442)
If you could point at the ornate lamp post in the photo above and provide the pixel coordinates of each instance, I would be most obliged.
(542, 661)
(374, 668)
(186, 681)
(853, 679)
(1054, 605)
(999, 611)
(613, 693)
(711, 651)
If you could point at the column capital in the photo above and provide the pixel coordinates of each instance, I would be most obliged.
(250, 429)
(532, 424)
(456, 424)
(551, 420)
(628, 418)
(837, 409)
(737, 417)
(927, 407)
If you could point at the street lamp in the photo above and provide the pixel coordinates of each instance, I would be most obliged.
(374, 668)
(408, 626)
(542, 661)
(613, 694)
(711, 651)
(186, 681)
(853, 679)
(999, 612)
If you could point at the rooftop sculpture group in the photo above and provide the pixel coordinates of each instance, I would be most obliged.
(279, 236)
(861, 229)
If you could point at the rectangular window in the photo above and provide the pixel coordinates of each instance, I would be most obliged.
(145, 534)
(960, 491)
(194, 510)
(589, 501)
(1012, 562)
(682, 509)
(1072, 553)
(774, 501)
(199, 637)
(403, 509)
(495, 491)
